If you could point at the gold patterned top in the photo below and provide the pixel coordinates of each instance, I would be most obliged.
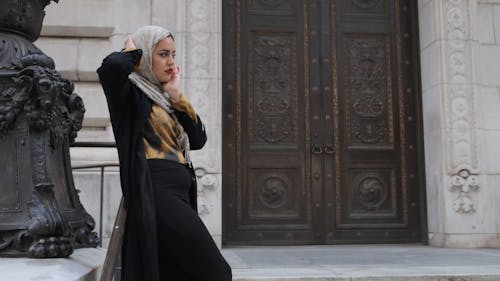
(161, 132)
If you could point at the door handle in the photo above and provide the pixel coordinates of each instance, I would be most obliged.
(316, 149)
(329, 149)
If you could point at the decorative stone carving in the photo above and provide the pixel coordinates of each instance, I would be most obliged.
(206, 186)
(201, 68)
(462, 154)
(208, 181)
(39, 117)
(464, 183)
(201, 83)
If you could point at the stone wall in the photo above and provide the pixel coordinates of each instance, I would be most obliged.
(78, 34)
(460, 57)
(486, 55)
(461, 98)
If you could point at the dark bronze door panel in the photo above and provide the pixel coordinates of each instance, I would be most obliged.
(266, 124)
(321, 122)
(378, 138)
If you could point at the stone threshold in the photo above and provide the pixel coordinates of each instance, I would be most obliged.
(354, 274)
(363, 263)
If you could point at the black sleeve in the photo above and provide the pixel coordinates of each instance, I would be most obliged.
(113, 75)
(195, 130)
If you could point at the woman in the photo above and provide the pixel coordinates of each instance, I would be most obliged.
(155, 126)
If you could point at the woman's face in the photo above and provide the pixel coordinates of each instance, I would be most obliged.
(164, 67)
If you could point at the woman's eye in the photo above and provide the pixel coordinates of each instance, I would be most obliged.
(166, 55)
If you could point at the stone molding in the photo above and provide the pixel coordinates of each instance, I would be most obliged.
(195, 30)
(199, 48)
(459, 105)
(78, 31)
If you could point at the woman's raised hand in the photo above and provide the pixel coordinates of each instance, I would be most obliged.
(172, 87)
(129, 44)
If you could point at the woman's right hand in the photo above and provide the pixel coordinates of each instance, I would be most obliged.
(172, 86)
(129, 44)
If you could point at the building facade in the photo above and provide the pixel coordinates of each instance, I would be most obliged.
(403, 145)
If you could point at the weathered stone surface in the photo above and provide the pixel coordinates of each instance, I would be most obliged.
(363, 263)
(485, 24)
(460, 92)
(82, 265)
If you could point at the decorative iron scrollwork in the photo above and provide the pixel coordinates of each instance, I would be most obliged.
(13, 97)
(365, 4)
(369, 132)
(46, 98)
(274, 88)
(271, 3)
(273, 105)
(48, 234)
(368, 106)
(273, 130)
(369, 90)
(23, 17)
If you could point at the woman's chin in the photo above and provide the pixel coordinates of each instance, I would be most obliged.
(163, 80)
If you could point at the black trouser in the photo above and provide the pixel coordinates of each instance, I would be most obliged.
(187, 251)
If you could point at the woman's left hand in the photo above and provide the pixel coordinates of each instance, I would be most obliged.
(172, 87)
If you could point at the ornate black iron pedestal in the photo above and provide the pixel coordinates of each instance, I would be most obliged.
(40, 211)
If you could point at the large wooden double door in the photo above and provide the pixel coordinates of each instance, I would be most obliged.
(322, 139)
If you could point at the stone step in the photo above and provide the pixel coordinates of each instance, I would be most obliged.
(363, 263)
(355, 274)
(82, 265)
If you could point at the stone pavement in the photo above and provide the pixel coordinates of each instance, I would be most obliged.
(363, 263)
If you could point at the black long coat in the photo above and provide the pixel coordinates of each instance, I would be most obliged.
(129, 111)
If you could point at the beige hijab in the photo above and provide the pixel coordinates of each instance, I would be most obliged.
(146, 38)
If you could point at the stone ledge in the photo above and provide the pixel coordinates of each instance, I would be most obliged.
(77, 31)
(82, 265)
(465, 240)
